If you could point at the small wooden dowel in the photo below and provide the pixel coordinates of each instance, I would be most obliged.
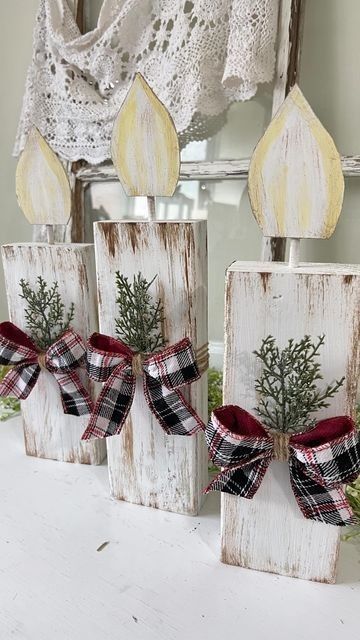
(50, 233)
(151, 207)
(294, 253)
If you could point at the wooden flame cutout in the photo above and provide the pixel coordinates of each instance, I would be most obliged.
(42, 186)
(145, 146)
(296, 184)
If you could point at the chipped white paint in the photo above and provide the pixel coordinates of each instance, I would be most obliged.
(289, 41)
(145, 465)
(204, 170)
(49, 433)
(269, 532)
(42, 186)
(145, 147)
(296, 185)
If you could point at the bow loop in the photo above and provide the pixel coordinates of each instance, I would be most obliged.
(66, 353)
(320, 461)
(61, 359)
(324, 452)
(174, 366)
(112, 362)
(16, 348)
(105, 354)
(323, 460)
(241, 447)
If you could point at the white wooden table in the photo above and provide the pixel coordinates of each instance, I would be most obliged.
(159, 577)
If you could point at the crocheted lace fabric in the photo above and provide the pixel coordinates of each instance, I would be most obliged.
(197, 56)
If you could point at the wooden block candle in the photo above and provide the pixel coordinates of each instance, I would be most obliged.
(296, 191)
(48, 432)
(269, 532)
(146, 466)
(44, 195)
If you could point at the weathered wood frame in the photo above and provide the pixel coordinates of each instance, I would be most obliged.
(291, 14)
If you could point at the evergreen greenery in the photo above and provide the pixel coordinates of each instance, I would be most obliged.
(140, 319)
(288, 389)
(215, 381)
(352, 492)
(8, 406)
(45, 313)
(215, 400)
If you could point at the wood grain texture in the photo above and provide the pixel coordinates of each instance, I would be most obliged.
(269, 532)
(42, 186)
(145, 465)
(49, 433)
(145, 146)
(217, 170)
(296, 185)
(288, 50)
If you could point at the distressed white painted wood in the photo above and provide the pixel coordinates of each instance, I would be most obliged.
(296, 185)
(217, 170)
(289, 40)
(42, 186)
(145, 146)
(269, 532)
(145, 465)
(288, 52)
(48, 432)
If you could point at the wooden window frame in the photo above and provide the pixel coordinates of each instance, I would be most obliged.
(290, 29)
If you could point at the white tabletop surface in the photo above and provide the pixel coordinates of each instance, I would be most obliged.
(159, 578)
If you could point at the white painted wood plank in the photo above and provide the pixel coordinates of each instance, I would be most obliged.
(282, 54)
(49, 433)
(217, 170)
(269, 532)
(288, 50)
(145, 465)
(158, 578)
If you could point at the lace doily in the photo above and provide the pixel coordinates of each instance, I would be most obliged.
(198, 56)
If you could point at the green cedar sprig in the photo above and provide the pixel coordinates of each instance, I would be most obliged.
(9, 406)
(45, 314)
(215, 391)
(288, 389)
(352, 492)
(140, 319)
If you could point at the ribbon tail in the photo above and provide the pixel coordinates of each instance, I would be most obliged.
(243, 480)
(318, 502)
(112, 406)
(170, 408)
(75, 398)
(20, 381)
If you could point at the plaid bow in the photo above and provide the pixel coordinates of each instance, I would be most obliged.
(112, 362)
(320, 460)
(61, 359)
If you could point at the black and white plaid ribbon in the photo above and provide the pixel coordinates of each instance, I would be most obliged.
(61, 359)
(320, 460)
(110, 361)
